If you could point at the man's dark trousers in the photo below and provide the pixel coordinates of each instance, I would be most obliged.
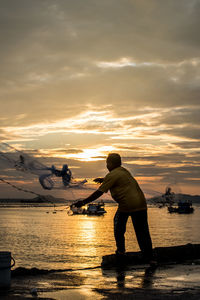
(140, 223)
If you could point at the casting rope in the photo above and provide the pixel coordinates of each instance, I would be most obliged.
(21, 189)
(34, 193)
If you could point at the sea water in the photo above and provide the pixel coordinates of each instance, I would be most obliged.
(40, 237)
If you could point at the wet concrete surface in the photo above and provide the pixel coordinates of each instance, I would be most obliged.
(169, 281)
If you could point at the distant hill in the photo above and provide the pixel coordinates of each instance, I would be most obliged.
(48, 199)
(43, 199)
(178, 197)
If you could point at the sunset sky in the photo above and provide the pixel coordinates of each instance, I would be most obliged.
(80, 79)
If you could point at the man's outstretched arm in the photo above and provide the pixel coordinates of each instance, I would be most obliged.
(89, 199)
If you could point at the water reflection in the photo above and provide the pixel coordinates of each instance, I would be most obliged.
(37, 239)
(124, 277)
(148, 277)
(86, 234)
(120, 276)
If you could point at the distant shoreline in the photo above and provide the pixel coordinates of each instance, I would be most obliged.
(50, 201)
(38, 202)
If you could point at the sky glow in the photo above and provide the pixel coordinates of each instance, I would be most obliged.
(81, 79)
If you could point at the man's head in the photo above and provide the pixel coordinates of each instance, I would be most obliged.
(113, 161)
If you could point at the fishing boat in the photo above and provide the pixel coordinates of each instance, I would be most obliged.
(96, 209)
(174, 206)
(183, 207)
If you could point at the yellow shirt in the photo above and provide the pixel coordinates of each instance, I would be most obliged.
(124, 190)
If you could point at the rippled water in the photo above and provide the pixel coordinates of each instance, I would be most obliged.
(48, 240)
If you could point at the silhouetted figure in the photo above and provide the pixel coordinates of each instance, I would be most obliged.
(20, 164)
(169, 196)
(46, 181)
(131, 202)
(21, 159)
(65, 173)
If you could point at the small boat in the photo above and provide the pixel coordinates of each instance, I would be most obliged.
(184, 207)
(77, 210)
(95, 209)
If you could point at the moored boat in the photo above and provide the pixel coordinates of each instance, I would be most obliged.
(92, 209)
(183, 207)
(177, 206)
(95, 209)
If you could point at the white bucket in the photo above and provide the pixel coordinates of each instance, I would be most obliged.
(5, 269)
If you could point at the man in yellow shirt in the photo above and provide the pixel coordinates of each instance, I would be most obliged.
(131, 201)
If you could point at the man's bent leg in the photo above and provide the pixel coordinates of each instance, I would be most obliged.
(140, 223)
(120, 221)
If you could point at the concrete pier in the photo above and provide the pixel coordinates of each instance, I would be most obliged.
(171, 254)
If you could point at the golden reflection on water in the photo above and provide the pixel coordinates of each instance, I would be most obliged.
(38, 239)
(87, 229)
